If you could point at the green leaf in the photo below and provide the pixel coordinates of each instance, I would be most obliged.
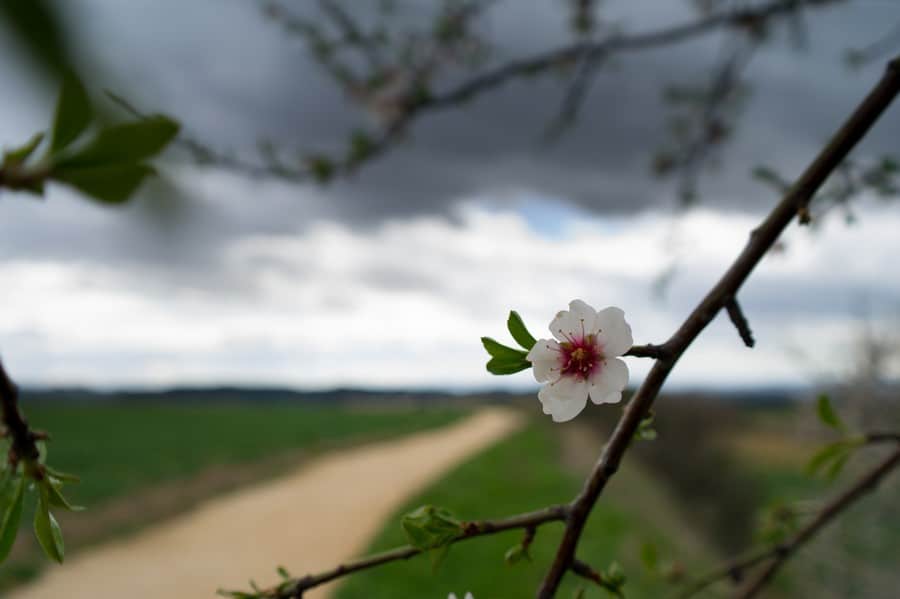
(108, 184)
(515, 554)
(322, 168)
(615, 574)
(518, 330)
(831, 458)
(283, 573)
(55, 496)
(646, 430)
(12, 514)
(361, 147)
(613, 579)
(502, 366)
(47, 530)
(498, 350)
(827, 414)
(61, 476)
(431, 529)
(21, 154)
(837, 465)
(125, 143)
(42, 452)
(73, 114)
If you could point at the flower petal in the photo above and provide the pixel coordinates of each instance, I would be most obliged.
(614, 332)
(561, 410)
(564, 399)
(545, 360)
(606, 386)
(576, 322)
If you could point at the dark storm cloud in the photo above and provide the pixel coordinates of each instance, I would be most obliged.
(493, 144)
(232, 77)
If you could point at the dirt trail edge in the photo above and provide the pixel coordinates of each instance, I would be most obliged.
(325, 512)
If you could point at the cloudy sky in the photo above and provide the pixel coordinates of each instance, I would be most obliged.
(388, 279)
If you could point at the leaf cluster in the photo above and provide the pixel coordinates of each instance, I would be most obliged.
(107, 166)
(505, 359)
(37, 478)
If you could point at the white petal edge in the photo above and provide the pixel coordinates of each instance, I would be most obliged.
(544, 358)
(564, 399)
(610, 381)
(579, 320)
(615, 332)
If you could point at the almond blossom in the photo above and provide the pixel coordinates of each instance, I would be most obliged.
(580, 361)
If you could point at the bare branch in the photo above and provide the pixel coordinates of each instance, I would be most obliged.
(761, 241)
(410, 108)
(736, 568)
(586, 571)
(879, 437)
(786, 550)
(733, 570)
(739, 321)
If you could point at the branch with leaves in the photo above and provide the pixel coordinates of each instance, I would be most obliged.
(107, 164)
(586, 344)
(762, 239)
(775, 555)
(430, 530)
(401, 88)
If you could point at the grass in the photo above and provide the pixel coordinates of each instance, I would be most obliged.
(519, 474)
(124, 453)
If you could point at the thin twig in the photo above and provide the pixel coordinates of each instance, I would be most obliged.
(493, 78)
(739, 321)
(784, 551)
(584, 570)
(879, 437)
(646, 351)
(733, 570)
(761, 241)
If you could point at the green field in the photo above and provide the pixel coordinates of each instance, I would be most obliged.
(136, 460)
(695, 494)
(520, 474)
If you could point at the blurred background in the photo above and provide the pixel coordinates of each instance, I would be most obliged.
(361, 190)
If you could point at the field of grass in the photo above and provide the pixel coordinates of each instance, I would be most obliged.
(520, 474)
(126, 453)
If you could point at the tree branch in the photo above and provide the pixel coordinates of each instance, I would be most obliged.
(733, 569)
(584, 570)
(737, 567)
(24, 445)
(739, 321)
(646, 351)
(761, 241)
(590, 51)
(528, 521)
(783, 552)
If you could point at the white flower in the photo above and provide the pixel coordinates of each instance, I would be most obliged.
(581, 362)
(453, 596)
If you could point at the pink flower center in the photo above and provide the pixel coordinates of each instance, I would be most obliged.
(580, 357)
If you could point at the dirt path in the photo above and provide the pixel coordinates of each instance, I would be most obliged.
(324, 513)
